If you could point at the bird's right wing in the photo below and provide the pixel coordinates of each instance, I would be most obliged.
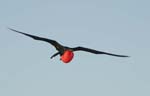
(95, 51)
(53, 42)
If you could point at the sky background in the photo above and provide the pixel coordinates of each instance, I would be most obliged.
(117, 26)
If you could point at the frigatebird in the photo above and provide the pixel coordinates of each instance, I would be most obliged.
(66, 53)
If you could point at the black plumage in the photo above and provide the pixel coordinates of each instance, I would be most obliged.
(61, 49)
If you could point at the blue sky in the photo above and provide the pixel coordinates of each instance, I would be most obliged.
(117, 26)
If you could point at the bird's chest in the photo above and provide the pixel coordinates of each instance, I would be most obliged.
(67, 56)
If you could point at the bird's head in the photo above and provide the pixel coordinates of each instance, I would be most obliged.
(67, 56)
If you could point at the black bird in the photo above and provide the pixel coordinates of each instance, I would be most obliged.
(66, 53)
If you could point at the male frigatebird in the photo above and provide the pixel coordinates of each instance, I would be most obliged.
(66, 53)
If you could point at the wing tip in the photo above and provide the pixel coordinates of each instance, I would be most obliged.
(13, 30)
(10, 28)
(128, 56)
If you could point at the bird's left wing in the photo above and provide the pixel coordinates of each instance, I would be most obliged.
(53, 42)
(95, 51)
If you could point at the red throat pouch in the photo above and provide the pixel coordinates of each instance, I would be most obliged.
(67, 56)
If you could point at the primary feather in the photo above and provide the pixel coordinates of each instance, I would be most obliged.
(95, 51)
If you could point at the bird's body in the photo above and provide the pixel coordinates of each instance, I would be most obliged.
(66, 53)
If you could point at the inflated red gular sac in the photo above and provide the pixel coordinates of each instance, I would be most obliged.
(67, 56)
(66, 53)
